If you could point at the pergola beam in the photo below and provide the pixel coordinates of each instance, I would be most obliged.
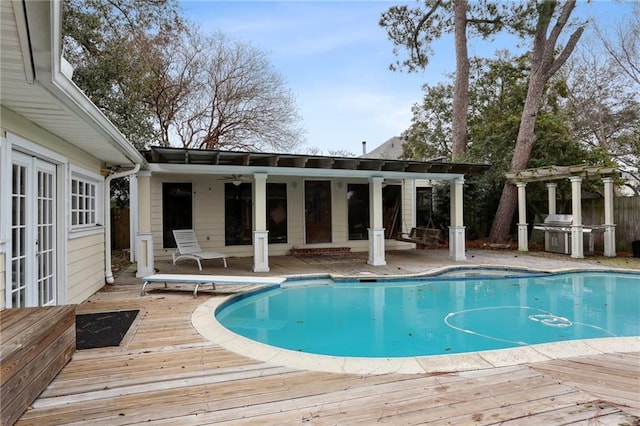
(560, 172)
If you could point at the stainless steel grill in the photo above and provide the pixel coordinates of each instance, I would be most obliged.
(557, 234)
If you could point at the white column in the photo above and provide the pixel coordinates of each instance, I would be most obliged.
(376, 231)
(457, 230)
(577, 245)
(551, 189)
(260, 233)
(144, 244)
(609, 226)
(523, 234)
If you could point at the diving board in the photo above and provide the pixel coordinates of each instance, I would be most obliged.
(199, 280)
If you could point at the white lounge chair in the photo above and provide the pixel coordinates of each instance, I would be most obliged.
(188, 248)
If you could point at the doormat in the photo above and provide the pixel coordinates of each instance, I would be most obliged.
(102, 329)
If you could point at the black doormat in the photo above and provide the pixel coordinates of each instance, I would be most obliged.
(103, 329)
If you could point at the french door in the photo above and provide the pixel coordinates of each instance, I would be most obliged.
(317, 207)
(33, 236)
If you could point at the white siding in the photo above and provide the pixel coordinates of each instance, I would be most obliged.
(3, 284)
(85, 273)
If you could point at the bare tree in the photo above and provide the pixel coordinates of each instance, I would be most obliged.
(243, 104)
(163, 82)
(624, 47)
(214, 93)
(544, 64)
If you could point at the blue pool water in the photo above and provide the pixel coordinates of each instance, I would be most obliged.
(437, 315)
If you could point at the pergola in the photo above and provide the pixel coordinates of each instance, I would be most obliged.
(574, 174)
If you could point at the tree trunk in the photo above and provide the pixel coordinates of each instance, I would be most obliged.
(521, 154)
(461, 91)
(543, 67)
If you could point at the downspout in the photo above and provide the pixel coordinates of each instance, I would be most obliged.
(107, 219)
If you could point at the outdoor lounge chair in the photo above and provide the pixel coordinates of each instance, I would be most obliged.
(188, 248)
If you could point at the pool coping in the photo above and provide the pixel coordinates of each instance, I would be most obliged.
(206, 325)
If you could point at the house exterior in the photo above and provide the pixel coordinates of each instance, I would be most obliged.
(57, 157)
(260, 204)
(59, 153)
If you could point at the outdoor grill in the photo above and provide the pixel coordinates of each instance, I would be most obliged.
(557, 234)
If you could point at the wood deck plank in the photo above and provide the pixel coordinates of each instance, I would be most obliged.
(166, 373)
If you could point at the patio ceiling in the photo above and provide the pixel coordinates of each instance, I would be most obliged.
(192, 161)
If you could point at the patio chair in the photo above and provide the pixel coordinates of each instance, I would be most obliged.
(188, 248)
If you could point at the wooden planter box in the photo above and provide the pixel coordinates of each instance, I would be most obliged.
(36, 344)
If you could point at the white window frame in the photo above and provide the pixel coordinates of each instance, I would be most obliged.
(85, 177)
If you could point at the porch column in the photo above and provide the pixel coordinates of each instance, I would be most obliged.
(260, 233)
(609, 226)
(551, 189)
(523, 237)
(457, 229)
(577, 245)
(376, 231)
(144, 250)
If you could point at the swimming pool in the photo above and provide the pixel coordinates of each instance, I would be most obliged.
(446, 314)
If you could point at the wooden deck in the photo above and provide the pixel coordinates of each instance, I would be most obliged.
(166, 373)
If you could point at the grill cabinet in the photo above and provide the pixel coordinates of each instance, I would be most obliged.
(557, 234)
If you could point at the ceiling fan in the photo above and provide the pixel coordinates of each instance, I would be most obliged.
(234, 179)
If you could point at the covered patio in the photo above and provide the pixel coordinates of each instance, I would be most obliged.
(164, 372)
(284, 202)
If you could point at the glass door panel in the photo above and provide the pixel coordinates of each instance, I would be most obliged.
(317, 200)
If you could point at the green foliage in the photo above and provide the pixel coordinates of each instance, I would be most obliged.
(497, 93)
(430, 133)
(103, 40)
(414, 29)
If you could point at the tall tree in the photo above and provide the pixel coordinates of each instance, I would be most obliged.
(497, 91)
(104, 41)
(241, 103)
(415, 29)
(604, 107)
(545, 62)
(161, 81)
(624, 46)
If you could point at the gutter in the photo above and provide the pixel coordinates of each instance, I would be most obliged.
(107, 220)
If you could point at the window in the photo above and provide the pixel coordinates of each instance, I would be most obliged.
(177, 210)
(277, 212)
(86, 200)
(238, 218)
(358, 211)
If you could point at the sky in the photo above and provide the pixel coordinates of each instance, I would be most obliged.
(335, 59)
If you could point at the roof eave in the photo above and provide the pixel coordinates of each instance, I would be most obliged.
(44, 20)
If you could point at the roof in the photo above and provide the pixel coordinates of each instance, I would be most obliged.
(390, 150)
(183, 160)
(35, 83)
